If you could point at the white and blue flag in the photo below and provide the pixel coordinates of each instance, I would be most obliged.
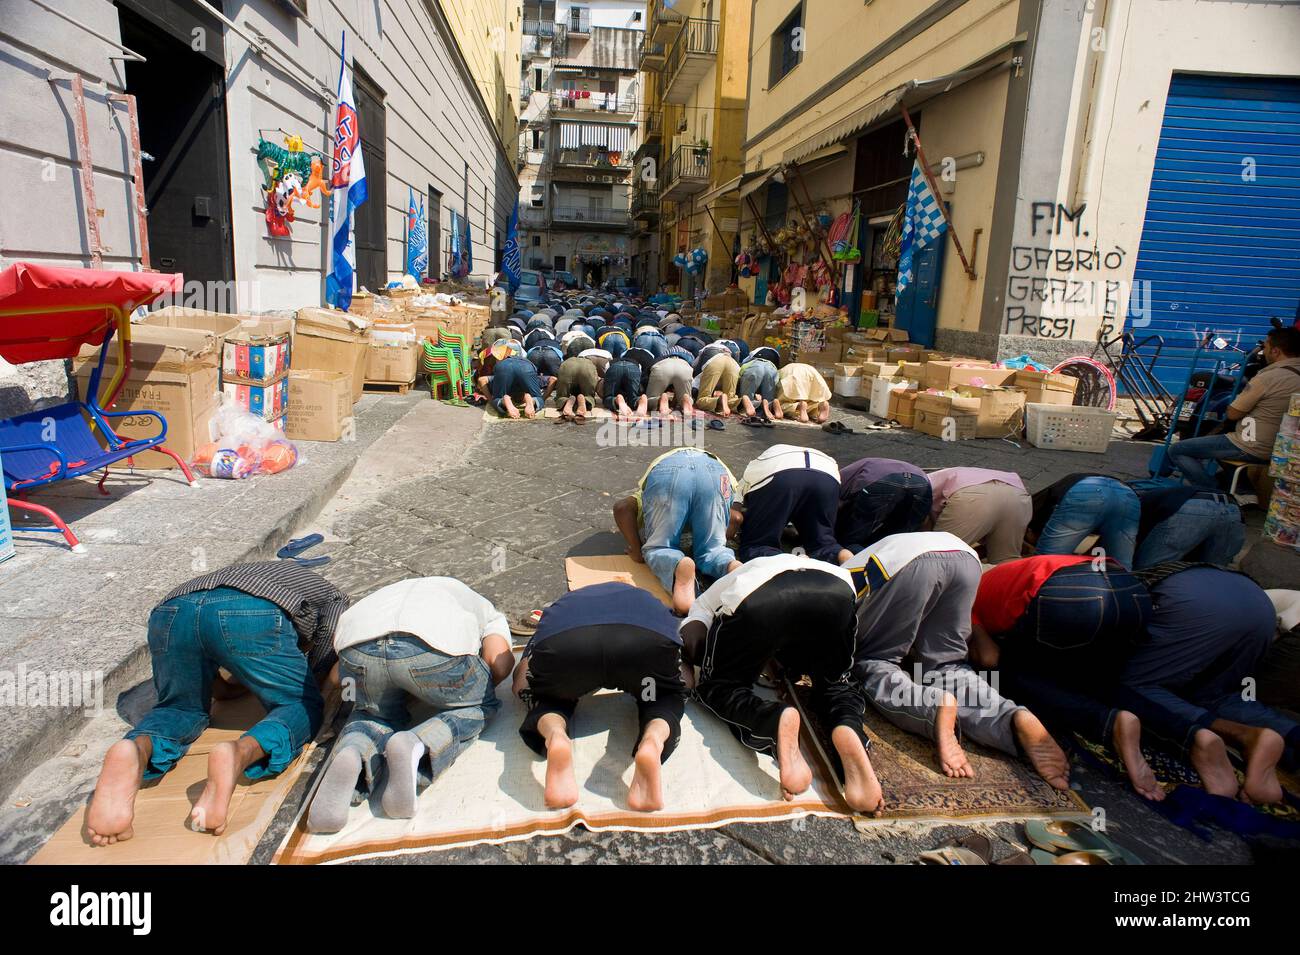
(348, 182)
(923, 223)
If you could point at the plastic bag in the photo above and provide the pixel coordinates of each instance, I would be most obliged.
(243, 445)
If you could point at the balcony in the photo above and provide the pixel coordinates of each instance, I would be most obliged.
(691, 55)
(578, 21)
(645, 202)
(532, 217)
(652, 127)
(605, 104)
(598, 217)
(686, 172)
(651, 56)
(593, 159)
(540, 28)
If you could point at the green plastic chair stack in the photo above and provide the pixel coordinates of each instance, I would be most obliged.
(458, 346)
(443, 369)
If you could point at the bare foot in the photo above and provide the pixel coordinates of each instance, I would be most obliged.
(561, 786)
(509, 405)
(688, 407)
(861, 787)
(646, 792)
(952, 758)
(684, 585)
(803, 412)
(530, 407)
(112, 808)
(823, 413)
(746, 406)
(1126, 737)
(1264, 747)
(796, 777)
(1041, 750)
(210, 810)
(724, 406)
(1210, 760)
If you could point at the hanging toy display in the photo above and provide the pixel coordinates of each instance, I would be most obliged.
(746, 266)
(284, 170)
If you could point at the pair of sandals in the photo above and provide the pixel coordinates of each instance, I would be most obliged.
(757, 421)
(576, 418)
(294, 548)
(1055, 842)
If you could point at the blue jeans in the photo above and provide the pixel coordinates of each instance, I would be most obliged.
(395, 671)
(654, 343)
(189, 638)
(1095, 505)
(622, 378)
(893, 504)
(1207, 529)
(758, 379)
(1187, 456)
(514, 377)
(688, 488)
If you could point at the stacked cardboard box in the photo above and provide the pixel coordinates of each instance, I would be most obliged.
(952, 373)
(329, 340)
(320, 406)
(173, 371)
(902, 407)
(1044, 387)
(950, 418)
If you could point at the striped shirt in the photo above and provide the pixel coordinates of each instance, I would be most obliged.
(308, 599)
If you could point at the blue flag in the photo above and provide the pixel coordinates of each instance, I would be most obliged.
(454, 253)
(417, 239)
(467, 256)
(923, 223)
(348, 184)
(511, 261)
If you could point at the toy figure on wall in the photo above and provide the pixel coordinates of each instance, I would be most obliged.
(284, 170)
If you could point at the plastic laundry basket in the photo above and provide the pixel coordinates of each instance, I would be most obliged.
(1068, 428)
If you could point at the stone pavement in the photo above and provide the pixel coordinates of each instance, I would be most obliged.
(498, 505)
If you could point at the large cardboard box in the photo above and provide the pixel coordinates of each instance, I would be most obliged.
(1001, 411)
(823, 359)
(330, 340)
(942, 375)
(946, 417)
(268, 401)
(902, 407)
(174, 372)
(392, 362)
(320, 406)
(254, 349)
(881, 390)
(1045, 387)
(175, 316)
(905, 353)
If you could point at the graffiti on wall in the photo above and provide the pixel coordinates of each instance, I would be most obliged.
(1063, 283)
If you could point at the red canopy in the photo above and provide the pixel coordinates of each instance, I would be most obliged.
(48, 312)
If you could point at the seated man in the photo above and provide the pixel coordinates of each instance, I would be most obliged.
(575, 388)
(425, 642)
(604, 636)
(982, 506)
(915, 597)
(798, 612)
(668, 386)
(621, 389)
(1187, 523)
(271, 627)
(879, 497)
(804, 394)
(717, 384)
(790, 485)
(1257, 411)
(1082, 505)
(1209, 630)
(516, 381)
(758, 381)
(1058, 630)
(683, 488)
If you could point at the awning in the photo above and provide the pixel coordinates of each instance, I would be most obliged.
(908, 94)
(704, 198)
(751, 182)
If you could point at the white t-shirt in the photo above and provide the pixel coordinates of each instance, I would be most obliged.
(443, 612)
(729, 592)
(782, 457)
(889, 555)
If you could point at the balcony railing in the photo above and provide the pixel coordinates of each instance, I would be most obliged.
(592, 216)
(649, 51)
(645, 202)
(687, 171)
(581, 23)
(541, 28)
(652, 125)
(591, 157)
(532, 217)
(695, 46)
(597, 102)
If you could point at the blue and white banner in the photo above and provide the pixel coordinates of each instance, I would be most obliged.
(417, 239)
(348, 182)
(923, 223)
(511, 260)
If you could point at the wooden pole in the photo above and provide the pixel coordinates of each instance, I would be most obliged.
(929, 178)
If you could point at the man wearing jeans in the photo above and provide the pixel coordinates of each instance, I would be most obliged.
(516, 381)
(1257, 411)
(271, 627)
(1187, 523)
(1082, 505)
(879, 497)
(430, 642)
(682, 488)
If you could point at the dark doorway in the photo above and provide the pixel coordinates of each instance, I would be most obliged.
(371, 220)
(180, 94)
(436, 254)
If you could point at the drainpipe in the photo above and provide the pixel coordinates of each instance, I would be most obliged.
(1095, 74)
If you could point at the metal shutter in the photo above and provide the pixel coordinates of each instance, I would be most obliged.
(1222, 252)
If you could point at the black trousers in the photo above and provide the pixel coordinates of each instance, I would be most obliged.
(569, 665)
(894, 504)
(804, 497)
(804, 619)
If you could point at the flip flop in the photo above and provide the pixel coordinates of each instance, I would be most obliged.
(716, 425)
(296, 547)
(752, 421)
(312, 561)
(580, 419)
(1063, 835)
(951, 855)
(766, 421)
(837, 427)
(526, 625)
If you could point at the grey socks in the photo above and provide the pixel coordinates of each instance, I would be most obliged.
(329, 808)
(403, 754)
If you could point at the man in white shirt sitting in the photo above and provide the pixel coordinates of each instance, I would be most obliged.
(799, 612)
(790, 485)
(428, 640)
(916, 593)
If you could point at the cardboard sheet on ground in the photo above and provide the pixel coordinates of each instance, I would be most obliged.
(494, 791)
(162, 809)
(603, 568)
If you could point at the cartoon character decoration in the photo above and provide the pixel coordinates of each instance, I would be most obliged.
(746, 265)
(284, 170)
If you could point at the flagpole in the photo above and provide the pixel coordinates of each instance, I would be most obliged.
(934, 187)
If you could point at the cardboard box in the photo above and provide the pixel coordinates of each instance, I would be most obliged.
(881, 389)
(257, 352)
(1001, 411)
(320, 406)
(843, 370)
(1044, 387)
(174, 316)
(393, 362)
(268, 401)
(174, 372)
(861, 353)
(943, 375)
(905, 353)
(330, 340)
(902, 407)
(912, 371)
(949, 418)
(889, 335)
